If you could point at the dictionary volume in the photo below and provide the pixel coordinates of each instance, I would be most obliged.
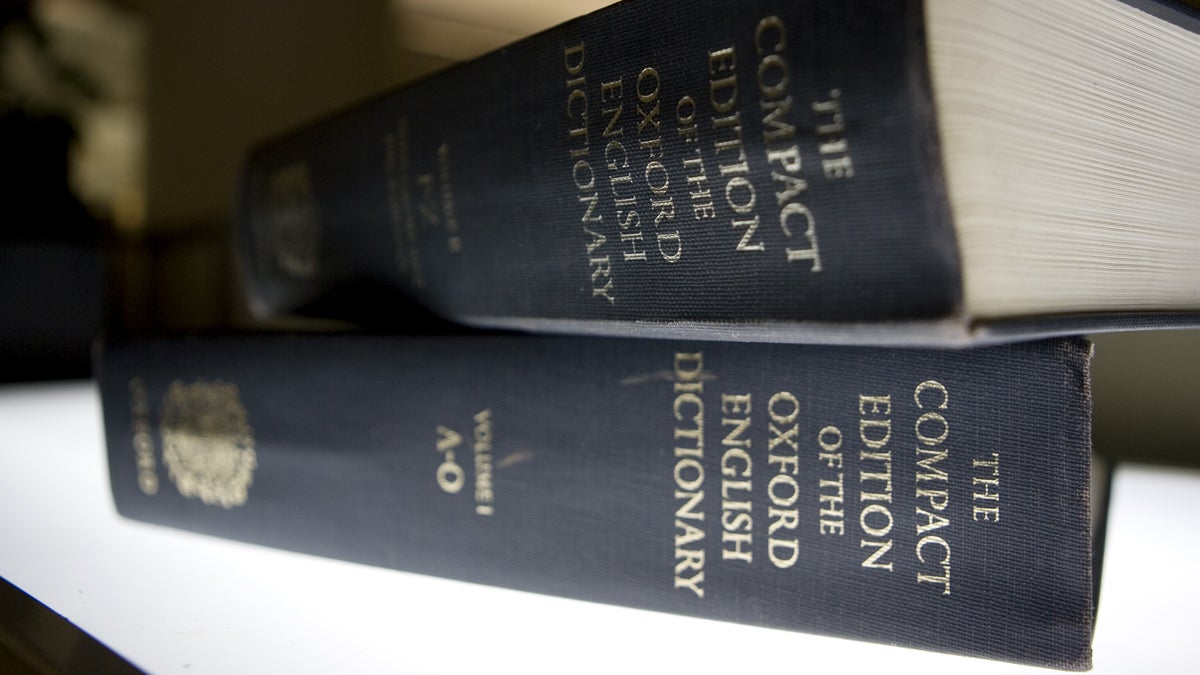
(932, 499)
(944, 171)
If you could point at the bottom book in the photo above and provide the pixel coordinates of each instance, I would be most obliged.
(930, 499)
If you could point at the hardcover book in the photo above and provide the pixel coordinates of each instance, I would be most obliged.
(931, 499)
(944, 171)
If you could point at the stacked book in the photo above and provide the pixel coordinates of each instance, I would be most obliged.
(772, 315)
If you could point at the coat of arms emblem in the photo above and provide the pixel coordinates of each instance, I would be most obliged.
(208, 445)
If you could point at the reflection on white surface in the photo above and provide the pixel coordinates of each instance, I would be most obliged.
(174, 602)
(1150, 591)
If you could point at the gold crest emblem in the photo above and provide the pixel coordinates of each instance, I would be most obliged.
(293, 235)
(208, 445)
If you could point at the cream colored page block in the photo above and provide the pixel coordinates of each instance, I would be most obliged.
(465, 29)
(521, 17)
(449, 39)
(1073, 187)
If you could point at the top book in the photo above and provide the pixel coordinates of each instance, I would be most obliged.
(939, 172)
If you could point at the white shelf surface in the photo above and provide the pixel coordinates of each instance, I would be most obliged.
(175, 602)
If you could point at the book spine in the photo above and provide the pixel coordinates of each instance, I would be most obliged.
(675, 162)
(932, 499)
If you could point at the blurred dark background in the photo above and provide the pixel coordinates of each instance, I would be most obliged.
(123, 122)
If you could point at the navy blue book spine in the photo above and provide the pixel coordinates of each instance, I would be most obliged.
(931, 499)
(708, 162)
